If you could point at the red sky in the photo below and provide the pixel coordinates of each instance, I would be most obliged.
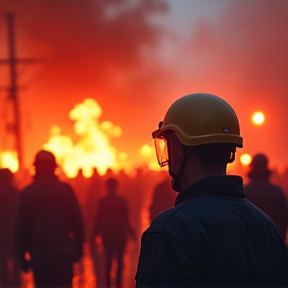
(135, 61)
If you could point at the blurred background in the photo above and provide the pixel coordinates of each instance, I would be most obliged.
(133, 59)
(90, 80)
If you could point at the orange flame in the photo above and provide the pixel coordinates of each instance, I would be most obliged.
(94, 148)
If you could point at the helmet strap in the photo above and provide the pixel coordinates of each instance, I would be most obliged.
(176, 184)
(176, 175)
(232, 156)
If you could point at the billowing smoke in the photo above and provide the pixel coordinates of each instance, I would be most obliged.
(86, 49)
(242, 54)
(109, 51)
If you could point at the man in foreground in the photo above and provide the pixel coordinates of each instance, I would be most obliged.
(48, 226)
(213, 237)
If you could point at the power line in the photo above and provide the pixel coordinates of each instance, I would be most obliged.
(13, 62)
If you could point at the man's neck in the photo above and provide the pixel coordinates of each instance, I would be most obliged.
(198, 172)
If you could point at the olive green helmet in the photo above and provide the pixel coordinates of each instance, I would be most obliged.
(199, 119)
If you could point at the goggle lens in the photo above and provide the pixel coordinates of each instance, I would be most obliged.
(161, 151)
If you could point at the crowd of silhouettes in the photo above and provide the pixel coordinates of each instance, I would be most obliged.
(45, 222)
(51, 218)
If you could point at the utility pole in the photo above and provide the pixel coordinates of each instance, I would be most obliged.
(12, 61)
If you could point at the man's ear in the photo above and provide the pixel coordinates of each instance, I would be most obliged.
(176, 156)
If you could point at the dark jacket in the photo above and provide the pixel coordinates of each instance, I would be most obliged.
(212, 237)
(49, 222)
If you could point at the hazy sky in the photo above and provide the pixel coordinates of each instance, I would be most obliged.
(136, 58)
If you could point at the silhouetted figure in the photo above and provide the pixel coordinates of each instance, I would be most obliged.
(95, 190)
(112, 224)
(163, 198)
(49, 226)
(266, 196)
(9, 196)
(79, 185)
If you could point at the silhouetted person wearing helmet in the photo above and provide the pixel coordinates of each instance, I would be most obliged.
(266, 196)
(112, 224)
(48, 226)
(9, 196)
(163, 198)
(213, 237)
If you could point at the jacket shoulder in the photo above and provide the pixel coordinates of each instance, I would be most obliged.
(162, 219)
(64, 185)
(56, 185)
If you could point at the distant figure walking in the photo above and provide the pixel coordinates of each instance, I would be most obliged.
(163, 198)
(48, 226)
(9, 196)
(112, 224)
(266, 196)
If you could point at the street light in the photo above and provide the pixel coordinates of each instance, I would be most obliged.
(258, 118)
(245, 159)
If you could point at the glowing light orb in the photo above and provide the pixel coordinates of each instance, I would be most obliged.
(245, 159)
(258, 118)
(146, 150)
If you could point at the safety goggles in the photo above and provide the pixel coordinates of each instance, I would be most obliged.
(161, 148)
(161, 140)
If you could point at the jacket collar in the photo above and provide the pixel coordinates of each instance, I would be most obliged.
(225, 185)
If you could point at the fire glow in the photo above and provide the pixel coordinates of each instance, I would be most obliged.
(8, 159)
(94, 150)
